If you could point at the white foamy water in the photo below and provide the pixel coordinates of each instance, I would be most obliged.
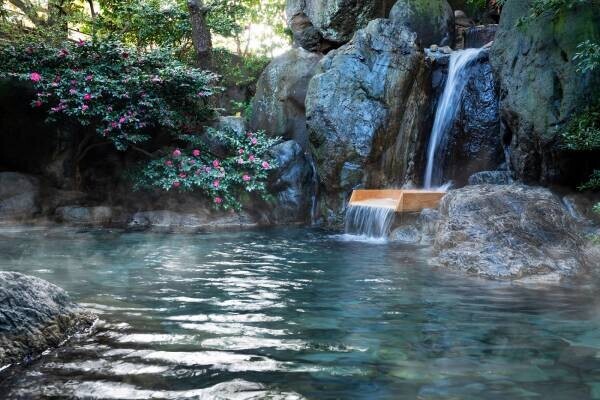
(458, 74)
(370, 221)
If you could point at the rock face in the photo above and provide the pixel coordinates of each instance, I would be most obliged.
(491, 178)
(18, 196)
(508, 231)
(368, 109)
(293, 183)
(540, 87)
(431, 20)
(475, 142)
(34, 316)
(278, 107)
(478, 36)
(99, 215)
(320, 25)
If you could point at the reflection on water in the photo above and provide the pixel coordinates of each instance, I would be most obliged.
(293, 314)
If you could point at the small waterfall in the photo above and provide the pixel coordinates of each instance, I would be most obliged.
(458, 74)
(315, 194)
(370, 222)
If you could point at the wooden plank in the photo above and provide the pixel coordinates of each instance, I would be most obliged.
(402, 200)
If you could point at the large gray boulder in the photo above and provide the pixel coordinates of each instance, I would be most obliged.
(431, 20)
(320, 25)
(278, 107)
(18, 196)
(35, 315)
(367, 110)
(540, 87)
(293, 183)
(508, 232)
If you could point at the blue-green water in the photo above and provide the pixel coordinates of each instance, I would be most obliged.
(296, 313)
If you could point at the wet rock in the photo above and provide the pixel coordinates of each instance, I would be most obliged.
(35, 315)
(431, 20)
(406, 235)
(475, 142)
(170, 221)
(478, 36)
(428, 221)
(321, 25)
(98, 215)
(18, 196)
(508, 232)
(541, 88)
(278, 107)
(491, 178)
(581, 207)
(368, 107)
(293, 183)
(461, 19)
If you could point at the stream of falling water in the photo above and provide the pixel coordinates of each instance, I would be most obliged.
(370, 221)
(458, 74)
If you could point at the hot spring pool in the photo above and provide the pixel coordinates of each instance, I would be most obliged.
(296, 313)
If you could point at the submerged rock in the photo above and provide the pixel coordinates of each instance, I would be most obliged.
(170, 221)
(367, 108)
(508, 231)
(293, 183)
(35, 315)
(19, 195)
(541, 88)
(431, 20)
(278, 107)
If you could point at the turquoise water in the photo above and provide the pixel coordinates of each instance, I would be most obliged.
(296, 313)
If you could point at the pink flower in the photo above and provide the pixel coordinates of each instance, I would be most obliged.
(169, 163)
(216, 163)
(63, 53)
(35, 77)
(87, 97)
(246, 177)
(122, 120)
(241, 151)
(196, 153)
(216, 183)
(84, 107)
(176, 184)
(192, 162)
(254, 141)
(265, 165)
(37, 103)
(89, 77)
(240, 161)
(249, 134)
(182, 175)
(80, 43)
(251, 157)
(218, 200)
(113, 124)
(72, 91)
(176, 153)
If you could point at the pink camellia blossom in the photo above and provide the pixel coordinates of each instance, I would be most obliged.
(80, 43)
(176, 184)
(176, 153)
(122, 120)
(197, 172)
(84, 107)
(182, 175)
(246, 177)
(218, 200)
(169, 163)
(251, 157)
(35, 77)
(216, 163)
(72, 91)
(37, 103)
(265, 165)
(249, 134)
(254, 140)
(89, 77)
(113, 124)
(196, 153)
(241, 151)
(87, 97)
(216, 183)
(240, 161)
(192, 162)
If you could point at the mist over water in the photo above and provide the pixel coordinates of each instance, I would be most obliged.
(292, 314)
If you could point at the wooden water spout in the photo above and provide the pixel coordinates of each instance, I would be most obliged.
(400, 200)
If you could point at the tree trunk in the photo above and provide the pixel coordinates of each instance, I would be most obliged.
(200, 34)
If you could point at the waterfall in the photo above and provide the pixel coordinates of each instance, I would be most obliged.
(369, 221)
(458, 74)
(315, 186)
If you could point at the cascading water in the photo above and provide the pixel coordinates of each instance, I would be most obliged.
(369, 221)
(458, 74)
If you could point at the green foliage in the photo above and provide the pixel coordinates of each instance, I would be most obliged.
(588, 56)
(541, 8)
(582, 133)
(238, 71)
(221, 164)
(124, 94)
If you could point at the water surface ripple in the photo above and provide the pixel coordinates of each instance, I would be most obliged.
(296, 314)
